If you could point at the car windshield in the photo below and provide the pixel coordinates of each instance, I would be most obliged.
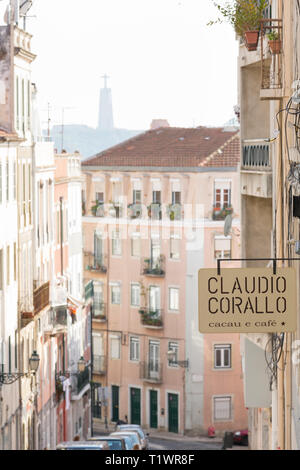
(114, 445)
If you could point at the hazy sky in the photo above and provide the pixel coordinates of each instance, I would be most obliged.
(164, 62)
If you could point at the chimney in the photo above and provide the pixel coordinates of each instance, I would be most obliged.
(157, 123)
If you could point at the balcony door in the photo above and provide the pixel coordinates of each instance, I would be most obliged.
(154, 299)
(98, 249)
(153, 359)
(222, 193)
(155, 253)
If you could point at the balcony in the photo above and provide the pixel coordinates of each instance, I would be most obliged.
(175, 211)
(41, 297)
(26, 309)
(115, 210)
(135, 211)
(97, 209)
(154, 267)
(59, 317)
(98, 310)
(151, 372)
(221, 212)
(155, 211)
(95, 263)
(256, 171)
(151, 318)
(271, 59)
(99, 365)
(80, 380)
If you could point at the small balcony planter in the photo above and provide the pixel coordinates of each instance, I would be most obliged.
(98, 209)
(134, 211)
(251, 39)
(275, 43)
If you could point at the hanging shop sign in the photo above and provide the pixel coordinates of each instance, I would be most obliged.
(250, 300)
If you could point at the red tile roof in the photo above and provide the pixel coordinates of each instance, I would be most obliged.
(173, 147)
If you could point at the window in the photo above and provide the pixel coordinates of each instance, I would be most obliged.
(173, 361)
(222, 408)
(222, 193)
(156, 196)
(115, 347)
(154, 298)
(176, 197)
(222, 356)
(134, 349)
(137, 196)
(174, 247)
(100, 197)
(116, 244)
(135, 246)
(174, 298)
(135, 295)
(116, 294)
(222, 247)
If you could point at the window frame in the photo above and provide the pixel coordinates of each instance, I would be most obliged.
(230, 400)
(170, 288)
(135, 341)
(223, 347)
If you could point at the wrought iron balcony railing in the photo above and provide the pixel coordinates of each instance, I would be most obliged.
(271, 55)
(135, 211)
(95, 263)
(154, 267)
(98, 310)
(175, 211)
(151, 317)
(98, 209)
(221, 212)
(155, 211)
(151, 371)
(80, 380)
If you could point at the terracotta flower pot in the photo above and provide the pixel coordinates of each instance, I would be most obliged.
(275, 46)
(251, 38)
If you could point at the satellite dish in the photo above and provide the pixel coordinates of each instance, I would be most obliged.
(227, 225)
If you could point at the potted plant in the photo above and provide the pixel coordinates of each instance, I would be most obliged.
(245, 17)
(274, 42)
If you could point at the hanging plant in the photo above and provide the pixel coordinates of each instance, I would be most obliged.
(244, 16)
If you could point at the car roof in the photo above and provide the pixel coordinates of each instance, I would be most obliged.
(124, 433)
(80, 444)
(104, 438)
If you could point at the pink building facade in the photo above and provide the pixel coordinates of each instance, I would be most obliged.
(154, 210)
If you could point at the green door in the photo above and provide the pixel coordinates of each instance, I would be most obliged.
(135, 405)
(115, 403)
(153, 409)
(173, 412)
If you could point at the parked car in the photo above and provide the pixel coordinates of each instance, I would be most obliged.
(114, 443)
(136, 427)
(134, 436)
(241, 437)
(83, 445)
